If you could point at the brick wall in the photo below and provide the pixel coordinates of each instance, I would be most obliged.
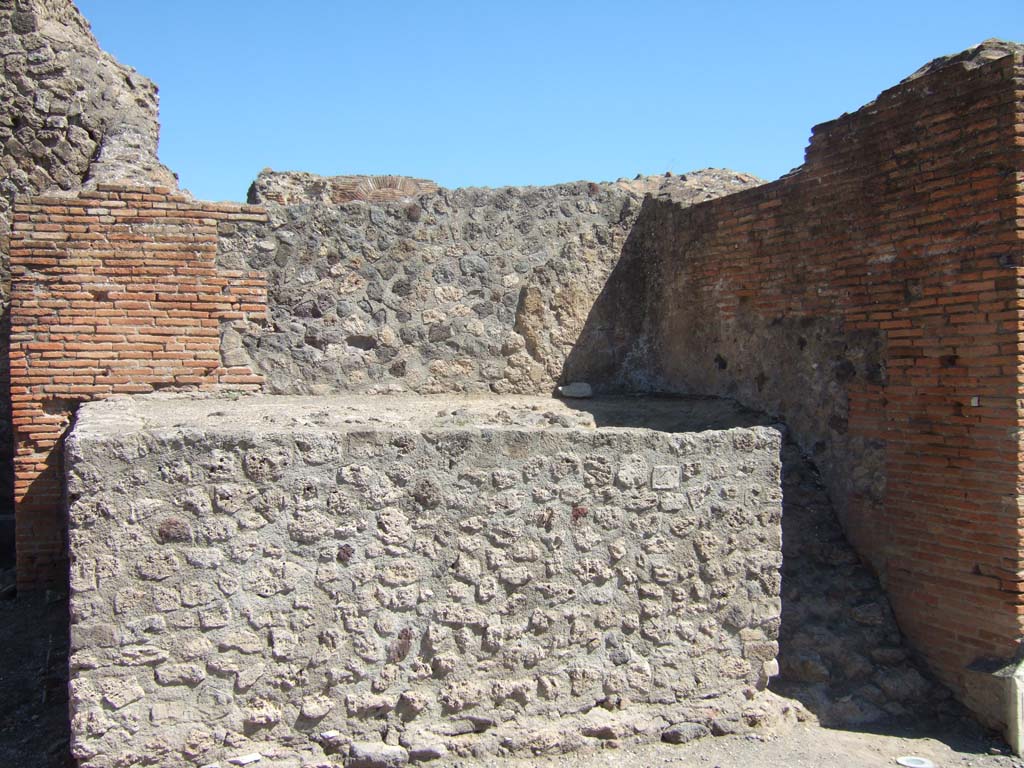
(115, 291)
(872, 299)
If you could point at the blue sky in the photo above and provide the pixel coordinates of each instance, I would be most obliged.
(492, 93)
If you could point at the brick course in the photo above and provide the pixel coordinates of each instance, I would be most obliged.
(115, 291)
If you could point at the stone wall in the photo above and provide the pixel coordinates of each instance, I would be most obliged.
(465, 290)
(871, 300)
(414, 576)
(115, 291)
(71, 115)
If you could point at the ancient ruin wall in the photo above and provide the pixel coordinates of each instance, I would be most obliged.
(115, 291)
(465, 290)
(872, 300)
(71, 115)
(825, 363)
(445, 575)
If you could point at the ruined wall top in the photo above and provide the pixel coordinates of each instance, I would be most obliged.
(299, 188)
(295, 187)
(60, 17)
(73, 114)
(915, 88)
(971, 58)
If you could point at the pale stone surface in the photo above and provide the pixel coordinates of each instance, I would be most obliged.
(466, 576)
(297, 187)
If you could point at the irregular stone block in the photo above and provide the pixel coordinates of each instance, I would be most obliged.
(681, 733)
(375, 754)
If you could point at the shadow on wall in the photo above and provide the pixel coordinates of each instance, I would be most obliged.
(7, 545)
(841, 652)
(873, 302)
(607, 354)
(42, 511)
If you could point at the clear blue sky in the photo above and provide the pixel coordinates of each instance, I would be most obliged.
(489, 93)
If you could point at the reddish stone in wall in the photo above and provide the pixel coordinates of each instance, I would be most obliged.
(114, 291)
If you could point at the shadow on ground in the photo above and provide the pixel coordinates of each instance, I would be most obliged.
(841, 652)
(34, 724)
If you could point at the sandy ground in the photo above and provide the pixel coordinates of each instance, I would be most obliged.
(803, 746)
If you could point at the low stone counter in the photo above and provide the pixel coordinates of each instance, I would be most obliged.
(393, 578)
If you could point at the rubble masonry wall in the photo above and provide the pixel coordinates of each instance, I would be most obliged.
(447, 290)
(244, 583)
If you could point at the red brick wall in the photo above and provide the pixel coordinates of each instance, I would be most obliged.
(873, 300)
(114, 291)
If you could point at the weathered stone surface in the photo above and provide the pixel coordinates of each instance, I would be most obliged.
(576, 389)
(521, 584)
(298, 188)
(681, 733)
(371, 754)
(72, 113)
(461, 290)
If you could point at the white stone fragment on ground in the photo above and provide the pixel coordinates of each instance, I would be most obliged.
(912, 761)
(333, 741)
(576, 389)
(252, 757)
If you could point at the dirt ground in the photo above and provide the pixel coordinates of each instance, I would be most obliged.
(803, 746)
(33, 680)
(34, 725)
